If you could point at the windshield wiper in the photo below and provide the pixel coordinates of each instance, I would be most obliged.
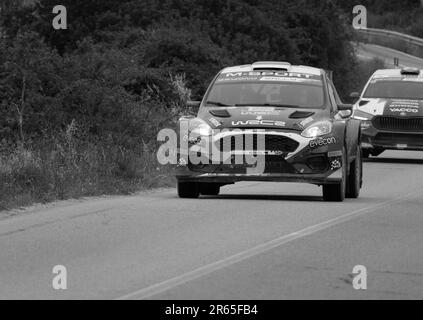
(217, 103)
(266, 105)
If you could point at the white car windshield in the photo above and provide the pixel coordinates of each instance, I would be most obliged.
(256, 94)
(261, 89)
(395, 89)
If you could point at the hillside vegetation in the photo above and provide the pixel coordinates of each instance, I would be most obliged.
(80, 108)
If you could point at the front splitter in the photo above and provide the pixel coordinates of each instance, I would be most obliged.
(333, 178)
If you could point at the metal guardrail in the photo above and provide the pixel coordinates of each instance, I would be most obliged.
(391, 39)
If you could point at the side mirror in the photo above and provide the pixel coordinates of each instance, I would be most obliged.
(354, 97)
(345, 107)
(345, 110)
(345, 114)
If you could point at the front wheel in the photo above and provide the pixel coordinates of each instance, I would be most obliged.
(188, 189)
(336, 192)
(209, 189)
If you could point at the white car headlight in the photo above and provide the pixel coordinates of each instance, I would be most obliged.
(318, 129)
(361, 115)
(199, 127)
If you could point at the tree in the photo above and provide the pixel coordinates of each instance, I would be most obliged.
(29, 76)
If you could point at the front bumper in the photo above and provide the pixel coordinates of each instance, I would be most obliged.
(373, 138)
(316, 161)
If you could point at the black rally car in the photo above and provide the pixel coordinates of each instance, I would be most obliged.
(270, 121)
(391, 111)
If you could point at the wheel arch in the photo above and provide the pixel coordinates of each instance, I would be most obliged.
(352, 138)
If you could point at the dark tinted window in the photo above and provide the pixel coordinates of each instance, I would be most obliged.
(398, 89)
(303, 95)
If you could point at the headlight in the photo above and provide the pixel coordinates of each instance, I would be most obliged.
(364, 117)
(198, 127)
(361, 115)
(318, 129)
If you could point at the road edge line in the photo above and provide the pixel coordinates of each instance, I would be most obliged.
(262, 248)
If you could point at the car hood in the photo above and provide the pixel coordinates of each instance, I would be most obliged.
(391, 107)
(260, 117)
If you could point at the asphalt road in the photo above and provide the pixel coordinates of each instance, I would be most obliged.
(370, 51)
(255, 241)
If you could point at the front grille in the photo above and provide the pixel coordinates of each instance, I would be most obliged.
(249, 142)
(398, 124)
(392, 139)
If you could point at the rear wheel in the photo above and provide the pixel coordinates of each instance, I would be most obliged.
(209, 189)
(188, 189)
(355, 177)
(336, 192)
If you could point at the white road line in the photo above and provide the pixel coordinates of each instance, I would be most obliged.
(207, 269)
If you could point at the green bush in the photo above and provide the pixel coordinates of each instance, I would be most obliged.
(80, 109)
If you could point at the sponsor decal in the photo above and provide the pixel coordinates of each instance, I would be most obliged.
(260, 111)
(270, 73)
(182, 162)
(335, 154)
(420, 79)
(278, 153)
(238, 79)
(403, 107)
(402, 146)
(259, 123)
(275, 153)
(321, 142)
(335, 164)
(282, 79)
(405, 102)
(268, 76)
(404, 110)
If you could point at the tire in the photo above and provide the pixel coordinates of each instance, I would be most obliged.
(377, 152)
(366, 153)
(355, 177)
(188, 189)
(336, 192)
(209, 189)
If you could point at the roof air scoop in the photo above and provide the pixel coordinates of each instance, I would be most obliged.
(301, 114)
(271, 65)
(220, 113)
(410, 71)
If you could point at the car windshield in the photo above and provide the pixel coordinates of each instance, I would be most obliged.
(398, 89)
(294, 91)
